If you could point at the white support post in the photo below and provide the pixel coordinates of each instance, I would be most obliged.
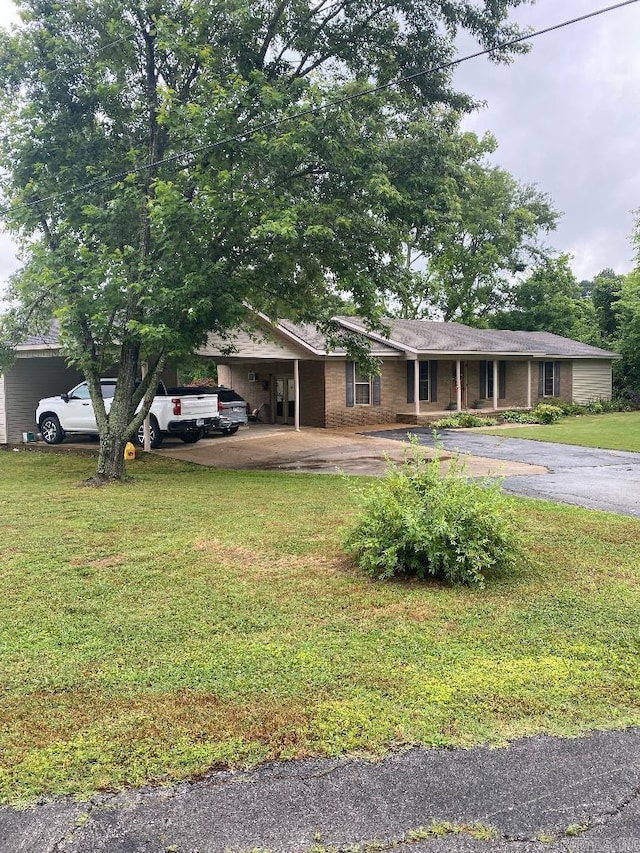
(296, 405)
(416, 386)
(458, 385)
(496, 379)
(529, 384)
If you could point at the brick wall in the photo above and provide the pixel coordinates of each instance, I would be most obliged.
(312, 393)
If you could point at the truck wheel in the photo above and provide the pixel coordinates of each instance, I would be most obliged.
(191, 436)
(51, 430)
(154, 433)
(230, 430)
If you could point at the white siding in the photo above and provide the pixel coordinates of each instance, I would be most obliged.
(250, 348)
(26, 382)
(3, 413)
(591, 380)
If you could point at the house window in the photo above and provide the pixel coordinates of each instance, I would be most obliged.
(487, 387)
(427, 381)
(549, 379)
(362, 384)
(362, 389)
(423, 381)
(549, 376)
(488, 382)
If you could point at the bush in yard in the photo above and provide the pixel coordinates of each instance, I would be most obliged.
(420, 522)
(464, 420)
(516, 417)
(547, 414)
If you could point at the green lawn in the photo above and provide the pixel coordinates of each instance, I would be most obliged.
(614, 431)
(193, 618)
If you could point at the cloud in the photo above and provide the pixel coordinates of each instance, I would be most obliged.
(567, 118)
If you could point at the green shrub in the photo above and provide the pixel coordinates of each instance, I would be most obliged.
(463, 420)
(565, 406)
(547, 414)
(417, 521)
(513, 417)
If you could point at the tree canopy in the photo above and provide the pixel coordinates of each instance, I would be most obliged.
(167, 164)
(485, 228)
(551, 300)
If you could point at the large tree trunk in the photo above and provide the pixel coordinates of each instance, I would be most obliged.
(111, 458)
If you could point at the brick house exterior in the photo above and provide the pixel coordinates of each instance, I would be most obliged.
(289, 373)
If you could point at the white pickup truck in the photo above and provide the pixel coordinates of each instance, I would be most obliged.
(187, 416)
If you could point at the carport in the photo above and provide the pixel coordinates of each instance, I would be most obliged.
(38, 371)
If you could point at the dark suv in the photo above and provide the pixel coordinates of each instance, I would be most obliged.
(233, 410)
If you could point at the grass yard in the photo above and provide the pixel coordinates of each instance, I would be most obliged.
(612, 431)
(193, 618)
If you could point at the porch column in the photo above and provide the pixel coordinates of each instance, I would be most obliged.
(458, 385)
(496, 389)
(296, 405)
(416, 385)
(529, 383)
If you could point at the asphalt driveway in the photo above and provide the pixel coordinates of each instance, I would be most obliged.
(539, 795)
(585, 476)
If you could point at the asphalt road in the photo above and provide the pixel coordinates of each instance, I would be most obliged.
(597, 479)
(539, 795)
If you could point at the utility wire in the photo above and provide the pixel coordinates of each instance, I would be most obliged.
(242, 137)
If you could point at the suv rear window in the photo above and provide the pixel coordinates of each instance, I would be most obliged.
(227, 395)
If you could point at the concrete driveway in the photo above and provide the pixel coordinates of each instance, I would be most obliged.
(597, 479)
(585, 476)
(349, 450)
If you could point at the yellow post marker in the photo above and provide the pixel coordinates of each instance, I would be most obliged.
(129, 451)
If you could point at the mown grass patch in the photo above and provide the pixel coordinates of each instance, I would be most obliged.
(192, 618)
(611, 431)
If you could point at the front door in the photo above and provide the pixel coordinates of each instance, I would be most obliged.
(285, 399)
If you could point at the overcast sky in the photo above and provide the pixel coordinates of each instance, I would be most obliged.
(566, 117)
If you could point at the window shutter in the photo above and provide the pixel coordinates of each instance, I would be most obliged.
(483, 380)
(410, 376)
(433, 381)
(502, 380)
(377, 397)
(556, 379)
(541, 379)
(350, 378)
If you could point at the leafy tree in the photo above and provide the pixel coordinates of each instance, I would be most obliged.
(551, 300)
(492, 231)
(627, 313)
(627, 377)
(605, 292)
(161, 177)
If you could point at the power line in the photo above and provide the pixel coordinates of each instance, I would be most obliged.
(311, 111)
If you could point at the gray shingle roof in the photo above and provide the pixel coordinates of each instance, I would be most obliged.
(439, 338)
(49, 338)
(309, 335)
(422, 336)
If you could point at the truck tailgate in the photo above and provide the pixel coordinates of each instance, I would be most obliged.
(200, 406)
